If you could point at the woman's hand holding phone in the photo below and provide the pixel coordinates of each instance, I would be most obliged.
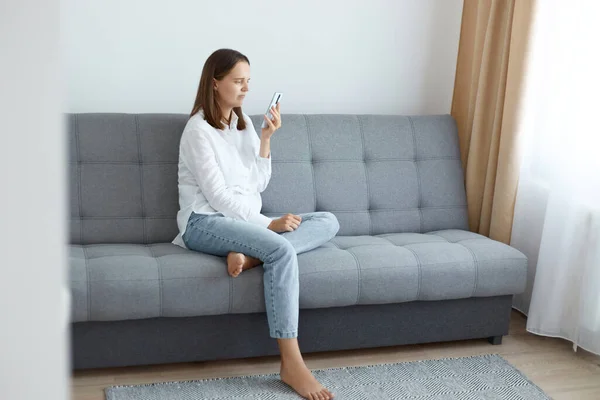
(272, 124)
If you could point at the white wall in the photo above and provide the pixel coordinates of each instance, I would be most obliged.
(342, 56)
(33, 314)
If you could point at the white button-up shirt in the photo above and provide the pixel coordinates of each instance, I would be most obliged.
(220, 170)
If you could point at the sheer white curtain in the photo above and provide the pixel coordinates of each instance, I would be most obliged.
(557, 210)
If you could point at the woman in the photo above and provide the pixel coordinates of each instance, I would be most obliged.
(223, 168)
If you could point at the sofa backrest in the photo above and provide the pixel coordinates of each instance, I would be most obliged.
(378, 174)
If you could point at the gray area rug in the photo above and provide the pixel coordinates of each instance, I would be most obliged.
(466, 378)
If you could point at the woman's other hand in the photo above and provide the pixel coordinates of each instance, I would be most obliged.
(287, 223)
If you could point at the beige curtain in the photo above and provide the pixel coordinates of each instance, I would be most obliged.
(487, 92)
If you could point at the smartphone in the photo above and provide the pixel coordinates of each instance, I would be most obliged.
(276, 99)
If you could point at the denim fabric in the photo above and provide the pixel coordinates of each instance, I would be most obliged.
(218, 235)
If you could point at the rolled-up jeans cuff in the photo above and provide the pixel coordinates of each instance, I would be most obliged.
(283, 335)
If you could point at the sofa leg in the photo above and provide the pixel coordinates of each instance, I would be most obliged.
(495, 340)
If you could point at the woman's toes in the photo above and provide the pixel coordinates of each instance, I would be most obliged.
(235, 262)
(237, 271)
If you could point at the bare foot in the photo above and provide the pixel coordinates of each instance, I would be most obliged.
(235, 263)
(298, 376)
(238, 262)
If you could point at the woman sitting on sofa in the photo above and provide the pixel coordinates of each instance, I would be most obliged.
(223, 168)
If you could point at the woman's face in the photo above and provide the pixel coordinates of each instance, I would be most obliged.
(232, 89)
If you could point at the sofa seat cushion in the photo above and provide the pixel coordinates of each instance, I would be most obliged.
(131, 281)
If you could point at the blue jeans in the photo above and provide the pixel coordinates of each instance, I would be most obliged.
(218, 235)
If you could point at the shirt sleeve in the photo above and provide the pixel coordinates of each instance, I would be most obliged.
(263, 164)
(260, 219)
(201, 160)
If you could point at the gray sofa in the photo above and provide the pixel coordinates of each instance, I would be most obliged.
(403, 268)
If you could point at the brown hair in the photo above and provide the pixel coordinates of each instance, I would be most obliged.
(217, 66)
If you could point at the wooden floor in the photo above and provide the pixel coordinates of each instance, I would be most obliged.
(550, 363)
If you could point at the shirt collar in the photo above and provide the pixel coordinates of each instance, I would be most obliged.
(234, 120)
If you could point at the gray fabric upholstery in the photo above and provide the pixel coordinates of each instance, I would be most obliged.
(395, 183)
(377, 174)
(128, 281)
(102, 344)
